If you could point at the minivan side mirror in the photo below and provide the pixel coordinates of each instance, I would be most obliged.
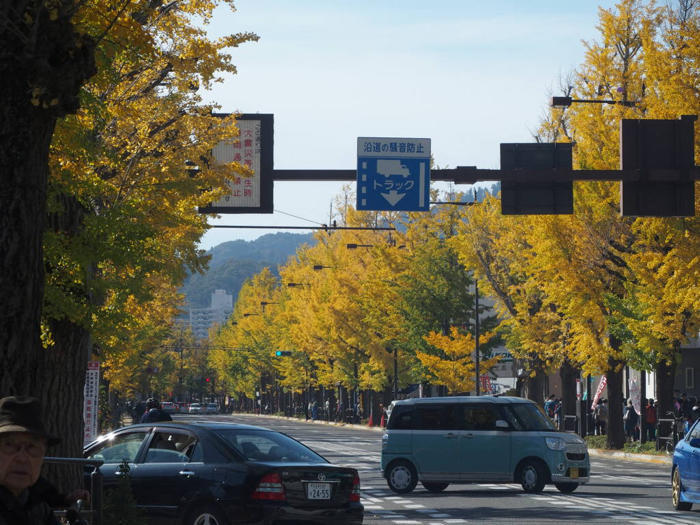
(502, 425)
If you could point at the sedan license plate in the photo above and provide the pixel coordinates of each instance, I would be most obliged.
(318, 491)
(573, 472)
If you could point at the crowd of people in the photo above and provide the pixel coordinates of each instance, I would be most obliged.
(324, 411)
(552, 407)
(685, 411)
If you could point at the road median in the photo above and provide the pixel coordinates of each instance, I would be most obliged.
(629, 456)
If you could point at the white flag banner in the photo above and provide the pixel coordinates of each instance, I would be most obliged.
(90, 403)
(635, 395)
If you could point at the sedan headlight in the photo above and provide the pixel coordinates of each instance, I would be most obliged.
(555, 443)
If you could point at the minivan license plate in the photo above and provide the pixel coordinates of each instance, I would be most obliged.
(573, 472)
(318, 491)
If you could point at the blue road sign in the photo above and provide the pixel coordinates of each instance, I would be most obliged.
(393, 174)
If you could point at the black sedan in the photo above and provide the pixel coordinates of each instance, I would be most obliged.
(211, 473)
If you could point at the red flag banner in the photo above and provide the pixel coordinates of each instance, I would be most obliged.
(599, 390)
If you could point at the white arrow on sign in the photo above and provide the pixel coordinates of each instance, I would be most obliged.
(393, 197)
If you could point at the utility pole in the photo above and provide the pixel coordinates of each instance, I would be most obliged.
(180, 378)
(476, 336)
(396, 373)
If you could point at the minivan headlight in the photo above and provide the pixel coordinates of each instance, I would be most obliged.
(555, 443)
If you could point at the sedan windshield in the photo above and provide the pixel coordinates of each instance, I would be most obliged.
(264, 445)
(527, 416)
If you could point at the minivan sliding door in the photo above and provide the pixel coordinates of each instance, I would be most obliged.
(436, 442)
(485, 450)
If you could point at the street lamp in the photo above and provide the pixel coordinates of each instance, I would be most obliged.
(565, 102)
(265, 303)
(318, 267)
(353, 246)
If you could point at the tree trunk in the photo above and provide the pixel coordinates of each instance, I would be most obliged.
(665, 376)
(533, 387)
(24, 152)
(43, 64)
(62, 395)
(568, 375)
(115, 407)
(616, 432)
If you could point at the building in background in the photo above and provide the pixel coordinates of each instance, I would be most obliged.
(202, 319)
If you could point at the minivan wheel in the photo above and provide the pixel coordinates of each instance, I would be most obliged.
(676, 493)
(531, 476)
(401, 477)
(566, 487)
(433, 486)
(206, 516)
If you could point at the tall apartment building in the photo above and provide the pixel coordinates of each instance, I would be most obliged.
(202, 319)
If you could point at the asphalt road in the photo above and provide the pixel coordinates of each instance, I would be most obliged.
(619, 491)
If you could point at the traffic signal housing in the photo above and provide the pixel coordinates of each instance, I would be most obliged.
(536, 198)
(283, 353)
(660, 155)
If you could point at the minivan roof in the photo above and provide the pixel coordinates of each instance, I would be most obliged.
(504, 400)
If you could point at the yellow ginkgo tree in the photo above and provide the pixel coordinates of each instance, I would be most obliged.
(455, 367)
(127, 173)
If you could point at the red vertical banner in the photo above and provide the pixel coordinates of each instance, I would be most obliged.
(486, 386)
(599, 391)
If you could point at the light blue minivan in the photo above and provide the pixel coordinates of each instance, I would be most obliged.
(443, 440)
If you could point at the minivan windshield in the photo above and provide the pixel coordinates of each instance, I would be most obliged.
(527, 416)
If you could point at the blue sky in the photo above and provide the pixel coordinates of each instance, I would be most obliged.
(466, 74)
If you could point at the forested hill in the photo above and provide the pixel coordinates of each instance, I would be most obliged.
(235, 261)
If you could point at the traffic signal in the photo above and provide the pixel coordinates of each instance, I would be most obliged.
(282, 353)
(661, 153)
(536, 198)
(207, 380)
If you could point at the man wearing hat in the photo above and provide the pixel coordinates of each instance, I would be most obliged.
(23, 443)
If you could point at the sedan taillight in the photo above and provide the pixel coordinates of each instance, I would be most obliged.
(270, 488)
(355, 494)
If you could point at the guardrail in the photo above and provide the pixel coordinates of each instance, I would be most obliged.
(94, 513)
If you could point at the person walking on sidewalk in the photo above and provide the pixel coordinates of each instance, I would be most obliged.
(602, 416)
(154, 413)
(650, 419)
(630, 419)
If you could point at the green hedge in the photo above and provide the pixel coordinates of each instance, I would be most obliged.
(600, 442)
